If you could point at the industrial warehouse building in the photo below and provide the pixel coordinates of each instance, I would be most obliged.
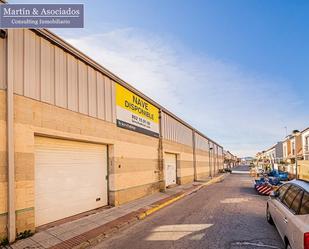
(75, 137)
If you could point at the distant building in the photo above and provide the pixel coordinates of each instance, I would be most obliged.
(305, 143)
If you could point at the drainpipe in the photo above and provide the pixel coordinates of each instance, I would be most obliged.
(10, 138)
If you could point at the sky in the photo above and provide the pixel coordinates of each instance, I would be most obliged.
(235, 70)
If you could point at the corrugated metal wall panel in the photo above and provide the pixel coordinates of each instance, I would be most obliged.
(2, 64)
(32, 65)
(108, 98)
(72, 83)
(201, 143)
(113, 107)
(61, 73)
(82, 88)
(18, 60)
(100, 95)
(92, 92)
(175, 131)
(29, 61)
(47, 72)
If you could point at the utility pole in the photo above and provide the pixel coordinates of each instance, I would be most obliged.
(210, 161)
(296, 167)
(286, 131)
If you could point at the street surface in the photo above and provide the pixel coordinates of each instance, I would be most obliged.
(224, 215)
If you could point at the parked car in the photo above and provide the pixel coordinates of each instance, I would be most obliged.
(288, 209)
(283, 176)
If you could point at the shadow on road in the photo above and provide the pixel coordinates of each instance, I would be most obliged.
(248, 190)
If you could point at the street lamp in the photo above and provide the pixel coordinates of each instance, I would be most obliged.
(210, 149)
(294, 149)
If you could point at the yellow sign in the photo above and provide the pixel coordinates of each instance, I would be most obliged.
(135, 113)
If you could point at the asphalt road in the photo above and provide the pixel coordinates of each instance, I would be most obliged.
(224, 215)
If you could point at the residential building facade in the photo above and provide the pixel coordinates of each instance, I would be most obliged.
(288, 153)
(305, 143)
(230, 160)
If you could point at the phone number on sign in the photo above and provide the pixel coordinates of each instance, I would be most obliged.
(141, 121)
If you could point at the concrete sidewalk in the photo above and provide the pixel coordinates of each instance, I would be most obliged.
(91, 229)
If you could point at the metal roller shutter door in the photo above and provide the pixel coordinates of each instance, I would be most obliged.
(70, 178)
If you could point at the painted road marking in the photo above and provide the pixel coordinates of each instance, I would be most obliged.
(240, 172)
(176, 232)
(258, 244)
(234, 200)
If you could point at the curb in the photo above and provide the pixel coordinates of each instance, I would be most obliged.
(213, 180)
(158, 207)
(198, 187)
(97, 235)
(219, 178)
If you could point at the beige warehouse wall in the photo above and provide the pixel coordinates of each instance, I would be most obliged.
(185, 166)
(3, 166)
(202, 157)
(202, 145)
(133, 162)
(221, 158)
(135, 167)
(178, 139)
(202, 164)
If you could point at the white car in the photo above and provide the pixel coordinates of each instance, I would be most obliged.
(288, 209)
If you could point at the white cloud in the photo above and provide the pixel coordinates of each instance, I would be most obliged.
(242, 111)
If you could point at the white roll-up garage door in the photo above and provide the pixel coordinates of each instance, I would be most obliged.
(70, 178)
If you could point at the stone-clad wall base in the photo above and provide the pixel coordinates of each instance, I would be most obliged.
(25, 220)
(3, 209)
(185, 179)
(133, 157)
(127, 195)
(185, 169)
(202, 164)
(3, 222)
(202, 176)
